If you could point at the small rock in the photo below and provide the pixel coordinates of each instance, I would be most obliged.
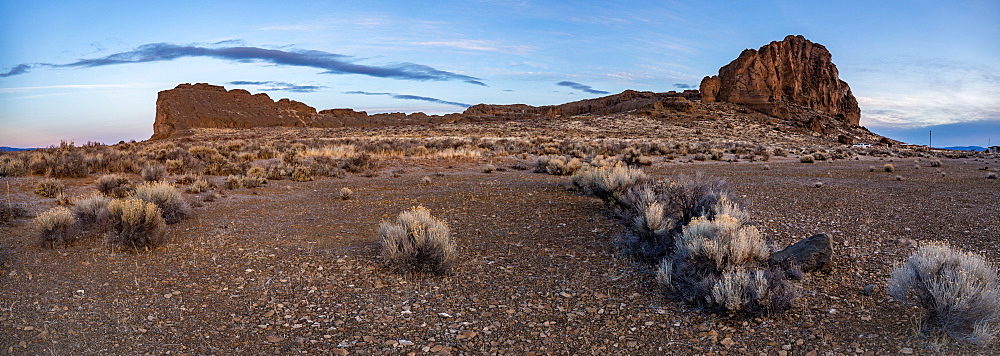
(444, 315)
(869, 290)
(786, 347)
(340, 352)
(727, 342)
(906, 350)
(469, 334)
(405, 342)
(274, 338)
(811, 353)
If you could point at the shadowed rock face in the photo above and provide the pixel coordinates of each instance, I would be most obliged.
(792, 71)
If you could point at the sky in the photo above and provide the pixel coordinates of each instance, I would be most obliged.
(90, 71)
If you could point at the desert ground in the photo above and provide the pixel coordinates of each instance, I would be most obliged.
(291, 268)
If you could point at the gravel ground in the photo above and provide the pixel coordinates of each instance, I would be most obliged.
(290, 268)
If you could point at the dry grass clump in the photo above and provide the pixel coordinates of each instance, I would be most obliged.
(12, 167)
(888, 167)
(721, 263)
(935, 163)
(135, 224)
(92, 211)
(115, 186)
(153, 172)
(10, 211)
(235, 182)
(807, 159)
(302, 174)
(198, 185)
(416, 241)
(168, 199)
(958, 290)
(609, 183)
(55, 227)
(345, 193)
(50, 188)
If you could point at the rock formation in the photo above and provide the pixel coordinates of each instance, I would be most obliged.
(792, 71)
(210, 106)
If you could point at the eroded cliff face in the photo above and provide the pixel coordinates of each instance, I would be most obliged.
(792, 71)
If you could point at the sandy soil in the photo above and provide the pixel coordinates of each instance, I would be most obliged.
(290, 268)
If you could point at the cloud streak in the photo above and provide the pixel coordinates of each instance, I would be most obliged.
(280, 86)
(581, 87)
(331, 63)
(411, 97)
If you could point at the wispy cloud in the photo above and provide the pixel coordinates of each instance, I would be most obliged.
(411, 97)
(478, 45)
(332, 63)
(684, 86)
(581, 87)
(279, 86)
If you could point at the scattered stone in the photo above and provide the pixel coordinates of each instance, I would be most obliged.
(340, 352)
(274, 338)
(906, 350)
(469, 334)
(727, 342)
(869, 290)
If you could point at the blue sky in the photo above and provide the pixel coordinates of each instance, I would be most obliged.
(86, 71)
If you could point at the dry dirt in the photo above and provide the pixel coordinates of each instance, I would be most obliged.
(290, 268)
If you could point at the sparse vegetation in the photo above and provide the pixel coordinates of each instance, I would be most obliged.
(135, 225)
(416, 241)
(55, 227)
(806, 159)
(958, 291)
(888, 167)
(115, 186)
(92, 211)
(50, 188)
(170, 202)
(302, 174)
(153, 172)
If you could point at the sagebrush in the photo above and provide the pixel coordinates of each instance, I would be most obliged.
(416, 241)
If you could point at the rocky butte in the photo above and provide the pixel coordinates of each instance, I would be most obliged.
(792, 71)
(793, 79)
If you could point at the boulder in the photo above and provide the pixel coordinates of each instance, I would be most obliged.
(810, 254)
(792, 71)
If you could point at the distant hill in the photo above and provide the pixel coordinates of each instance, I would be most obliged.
(965, 148)
(7, 149)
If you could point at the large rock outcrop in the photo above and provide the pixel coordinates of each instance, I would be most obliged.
(210, 106)
(192, 106)
(792, 71)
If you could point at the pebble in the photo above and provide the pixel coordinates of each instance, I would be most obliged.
(869, 290)
(727, 342)
(906, 350)
(274, 338)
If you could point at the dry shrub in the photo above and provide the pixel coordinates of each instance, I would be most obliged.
(198, 186)
(609, 183)
(92, 211)
(240, 182)
(10, 211)
(70, 164)
(416, 241)
(168, 199)
(135, 224)
(807, 159)
(958, 290)
(12, 167)
(721, 264)
(936, 163)
(55, 227)
(345, 193)
(153, 172)
(888, 167)
(302, 174)
(115, 186)
(50, 188)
